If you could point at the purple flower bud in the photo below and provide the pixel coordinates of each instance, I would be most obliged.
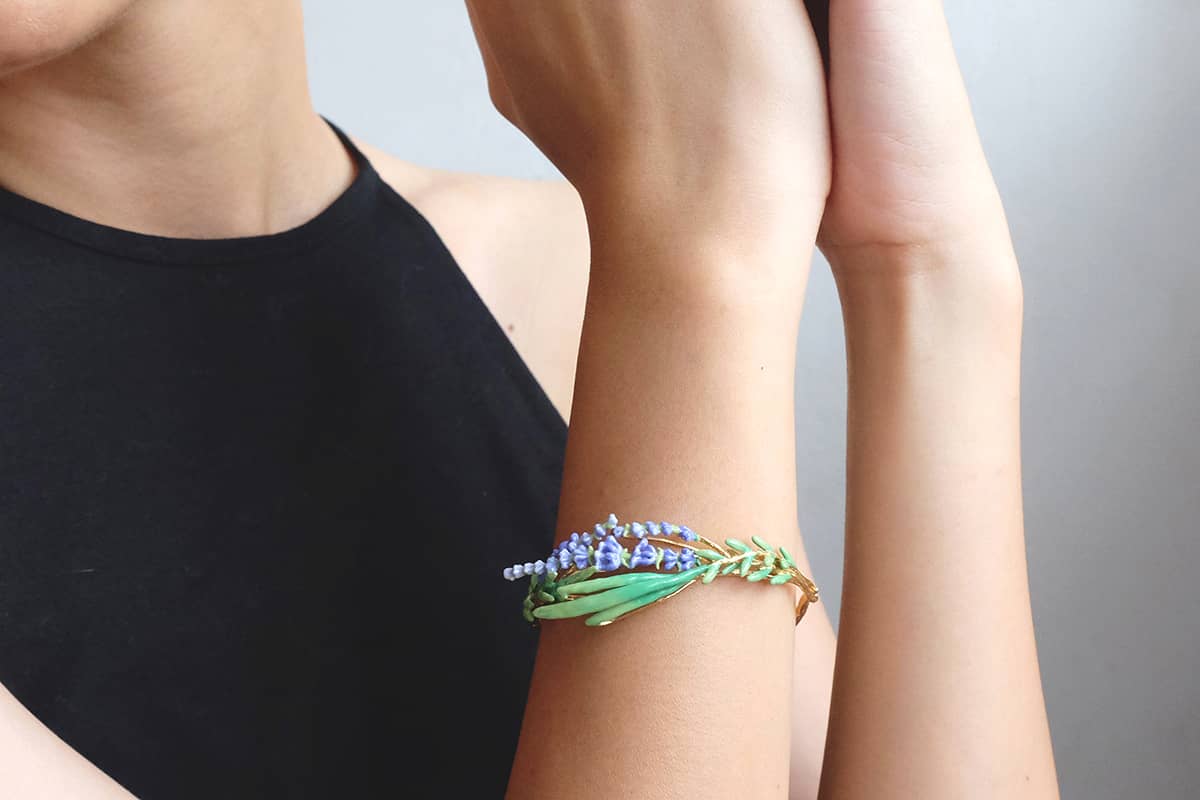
(670, 559)
(611, 522)
(539, 567)
(564, 557)
(618, 531)
(668, 529)
(608, 555)
(687, 559)
(574, 538)
(581, 558)
(551, 565)
(600, 531)
(654, 527)
(687, 534)
(508, 574)
(529, 568)
(518, 571)
(644, 555)
(638, 529)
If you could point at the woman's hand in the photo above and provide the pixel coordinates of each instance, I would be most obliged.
(910, 173)
(709, 118)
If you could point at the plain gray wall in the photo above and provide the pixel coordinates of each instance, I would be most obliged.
(1089, 111)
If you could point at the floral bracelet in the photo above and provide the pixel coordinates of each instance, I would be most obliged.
(673, 557)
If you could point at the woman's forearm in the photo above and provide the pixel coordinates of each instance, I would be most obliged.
(683, 411)
(937, 691)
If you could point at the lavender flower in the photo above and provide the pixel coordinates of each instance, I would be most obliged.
(611, 522)
(618, 531)
(654, 527)
(668, 529)
(581, 558)
(564, 557)
(508, 574)
(539, 567)
(644, 555)
(687, 534)
(670, 559)
(551, 565)
(518, 571)
(687, 559)
(608, 555)
(638, 529)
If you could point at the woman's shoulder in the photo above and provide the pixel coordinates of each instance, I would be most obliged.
(523, 245)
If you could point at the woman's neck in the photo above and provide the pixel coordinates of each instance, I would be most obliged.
(187, 118)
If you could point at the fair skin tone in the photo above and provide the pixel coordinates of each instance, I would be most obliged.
(936, 692)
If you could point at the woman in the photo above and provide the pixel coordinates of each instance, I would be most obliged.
(265, 449)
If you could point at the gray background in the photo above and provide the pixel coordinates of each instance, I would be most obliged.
(1089, 113)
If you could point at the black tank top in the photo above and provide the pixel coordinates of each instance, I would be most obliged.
(255, 495)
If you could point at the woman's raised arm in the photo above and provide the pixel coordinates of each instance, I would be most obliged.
(936, 691)
(696, 135)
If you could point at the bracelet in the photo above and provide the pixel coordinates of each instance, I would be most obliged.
(564, 585)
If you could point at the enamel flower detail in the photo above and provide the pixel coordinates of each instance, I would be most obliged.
(665, 558)
(644, 555)
(609, 555)
(687, 559)
(670, 559)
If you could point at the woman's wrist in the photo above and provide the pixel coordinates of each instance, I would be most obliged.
(704, 283)
(647, 255)
(961, 285)
(727, 219)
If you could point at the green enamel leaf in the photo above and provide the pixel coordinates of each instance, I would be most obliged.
(782, 577)
(747, 561)
(788, 561)
(711, 555)
(738, 545)
(590, 604)
(612, 582)
(763, 545)
(711, 573)
(528, 615)
(768, 560)
(618, 611)
(607, 599)
(758, 576)
(582, 575)
(545, 598)
(728, 568)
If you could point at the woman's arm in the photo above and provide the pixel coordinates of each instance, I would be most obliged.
(937, 691)
(697, 138)
(37, 765)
